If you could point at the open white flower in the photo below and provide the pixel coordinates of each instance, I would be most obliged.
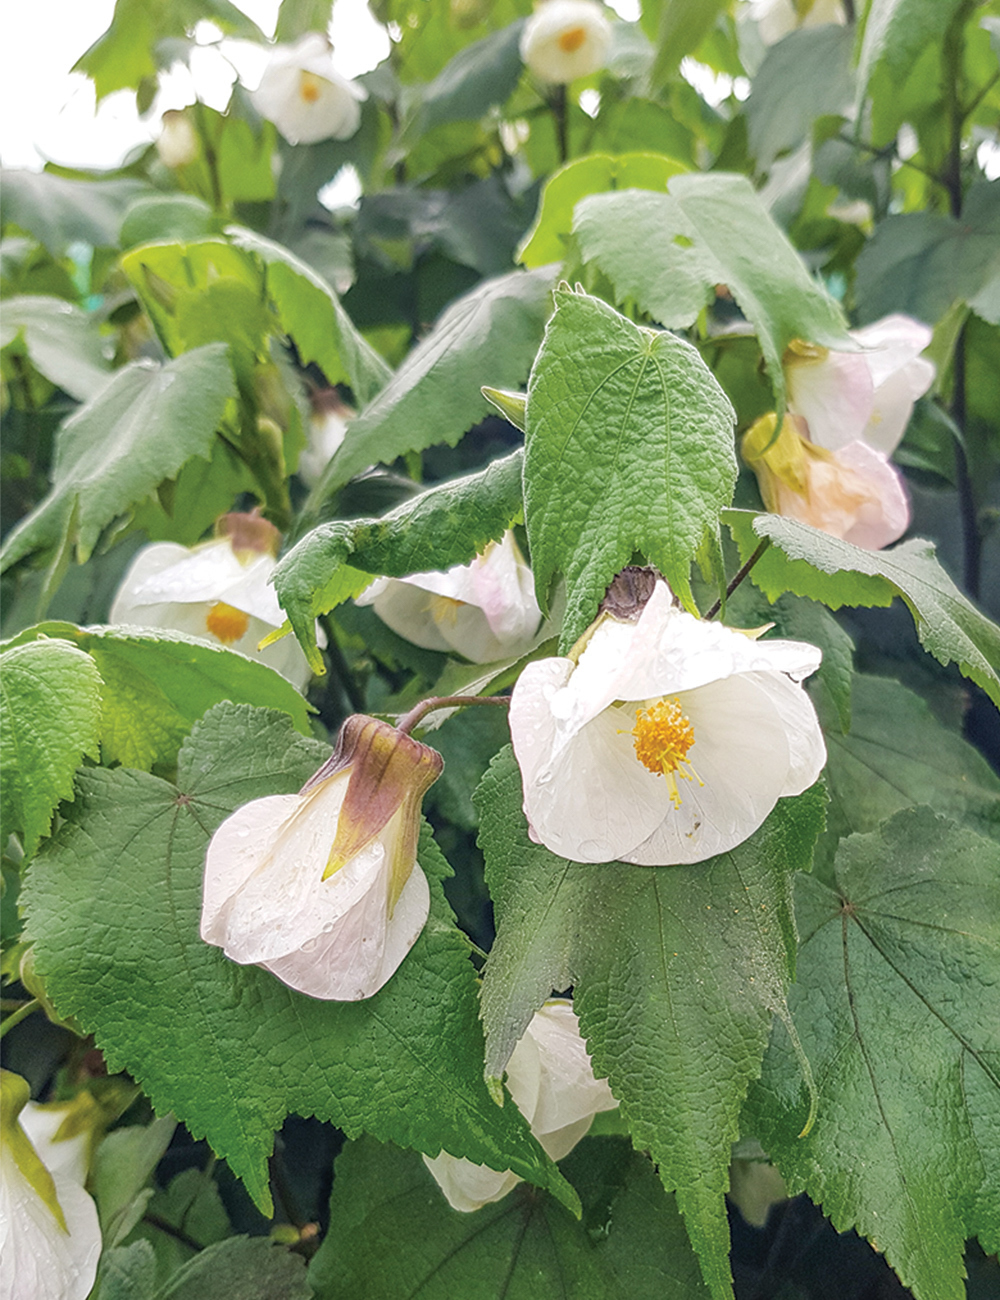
(485, 610)
(604, 741)
(552, 1082)
(218, 591)
(566, 39)
(50, 1236)
(322, 888)
(305, 97)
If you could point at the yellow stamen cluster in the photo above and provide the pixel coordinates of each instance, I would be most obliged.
(662, 737)
(570, 42)
(227, 623)
(444, 610)
(310, 86)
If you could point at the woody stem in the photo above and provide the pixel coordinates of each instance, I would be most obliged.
(410, 720)
(739, 575)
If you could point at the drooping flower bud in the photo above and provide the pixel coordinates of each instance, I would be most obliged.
(305, 97)
(566, 39)
(178, 141)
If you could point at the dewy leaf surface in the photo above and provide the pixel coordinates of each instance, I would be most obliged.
(394, 1234)
(629, 447)
(450, 523)
(50, 711)
(897, 1003)
(113, 908)
(139, 430)
(824, 568)
(489, 336)
(666, 964)
(158, 684)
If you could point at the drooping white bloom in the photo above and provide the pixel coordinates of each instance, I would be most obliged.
(485, 610)
(566, 39)
(323, 887)
(550, 1077)
(602, 741)
(327, 430)
(177, 144)
(865, 396)
(50, 1236)
(305, 97)
(218, 591)
(776, 18)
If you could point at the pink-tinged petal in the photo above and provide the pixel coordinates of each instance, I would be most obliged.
(893, 405)
(892, 343)
(504, 590)
(834, 395)
(885, 515)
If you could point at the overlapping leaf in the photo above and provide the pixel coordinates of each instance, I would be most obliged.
(676, 973)
(897, 1004)
(824, 568)
(629, 448)
(61, 341)
(113, 910)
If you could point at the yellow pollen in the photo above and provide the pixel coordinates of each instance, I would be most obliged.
(226, 623)
(310, 86)
(662, 737)
(444, 610)
(571, 41)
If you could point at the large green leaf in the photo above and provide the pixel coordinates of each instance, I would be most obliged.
(251, 1268)
(59, 211)
(897, 1003)
(682, 26)
(113, 909)
(824, 568)
(156, 685)
(114, 451)
(311, 312)
(896, 32)
(479, 76)
(50, 709)
(488, 336)
(392, 1233)
(709, 229)
(444, 526)
(629, 447)
(676, 972)
(61, 341)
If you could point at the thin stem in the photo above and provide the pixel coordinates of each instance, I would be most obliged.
(558, 103)
(178, 1234)
(739, 575)
(890, 151)
(211, 157)
(16, 1017)
(410, 720)
(972, 542)
(341, 670)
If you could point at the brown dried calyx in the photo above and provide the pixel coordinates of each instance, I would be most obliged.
(629, 593)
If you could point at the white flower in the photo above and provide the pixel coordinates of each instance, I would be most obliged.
(50, 1236)
(485, 610)
(845, 397)
(552, 1082)
(178, 141)
(601, 741)
(327, 430)
(323, 888)
(218, 591)
(776, 18)
(305, 97)
(853, 493)
(566, 39)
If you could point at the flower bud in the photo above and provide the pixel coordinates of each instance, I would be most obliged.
(566, 39)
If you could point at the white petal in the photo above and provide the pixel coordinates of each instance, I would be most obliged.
(567, 1094)
(540, 40)
(806, 746)
(893, 406)
(469, 1187)
(332, 108)
(406, 609)
(147, 564)
(40, 1260)
(69, 1157)
(835, 396)
(891, 343)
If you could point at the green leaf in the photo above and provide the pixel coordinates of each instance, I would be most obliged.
(310, 311)
(629, 447)
(154, 218)
(252, 1268)
(452, 522)
(113, 909)
(683, 25)
(50, 711)
(479, 76)
(710, 228)
(61, 341)
(896, 32)
(156, 685)
(921, 262)
(140, 429)
(897, 754)
(59, 211)
(595, 174)
(488, 336)
(297, 17)
(897, 1003)
(392, 1233)
(824, 568)
(123, 1170)
(668, 964)
(805, 76)
(127, 1273)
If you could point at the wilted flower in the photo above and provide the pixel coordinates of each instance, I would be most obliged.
(604, 740)
(178, 141)
(552, 1082)
(323, 888)
(218, 591)
(305, 97)
(566, 39)
(327, 430)
(776, 18)
(484, 610)
(853, 493)
(50, 1236)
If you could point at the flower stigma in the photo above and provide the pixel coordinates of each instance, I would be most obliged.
(570, 42)
(310, 86)
(227, 623)
(663, 736)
